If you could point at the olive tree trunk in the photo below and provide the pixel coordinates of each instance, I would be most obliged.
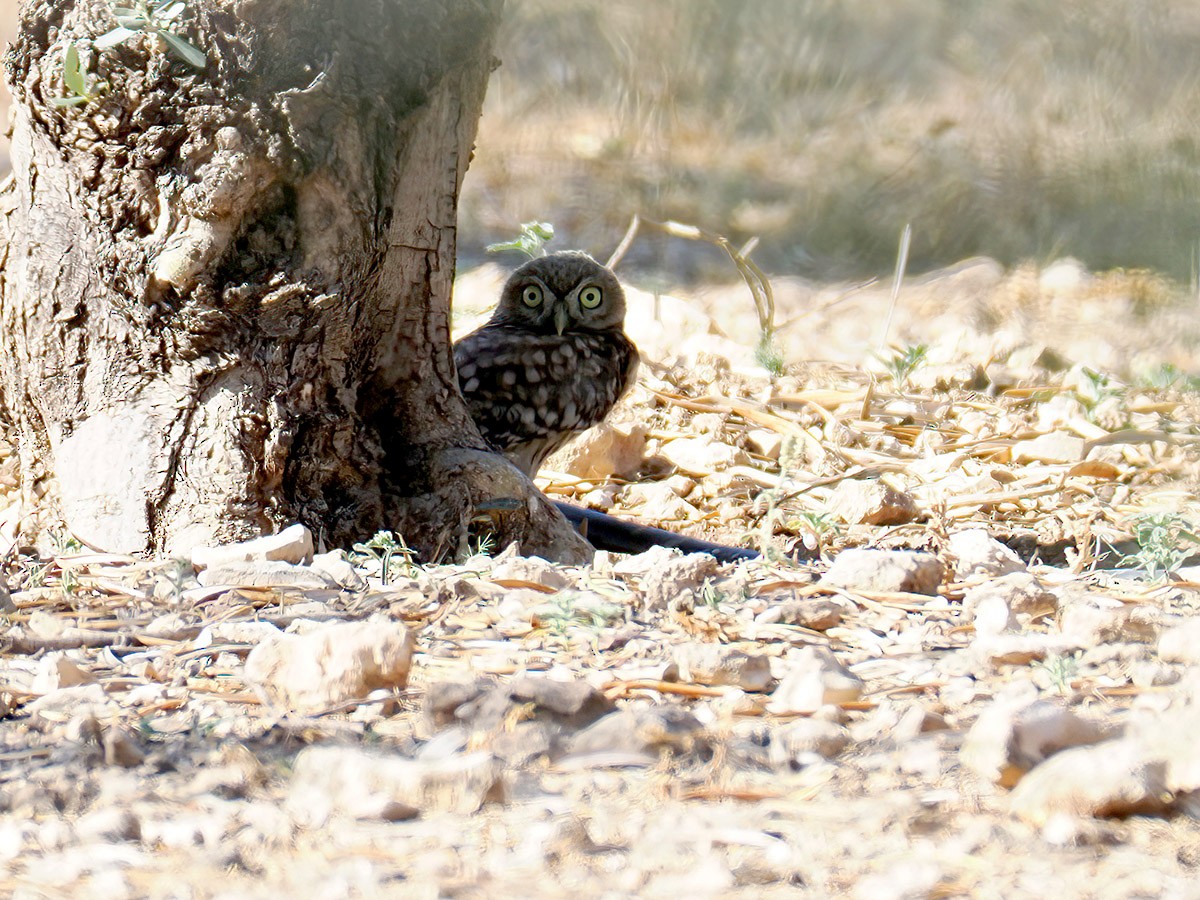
(225, 292)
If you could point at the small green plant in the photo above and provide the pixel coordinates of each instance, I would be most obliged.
(83, 87)
(768, 354)
(569, 608)
(1167, 375)
(903, 362)
(531, 241)
(1163, 540)
(158, 19)
(382, 548)
(1061, 669)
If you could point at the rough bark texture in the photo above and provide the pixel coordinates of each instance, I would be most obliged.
(225, 293)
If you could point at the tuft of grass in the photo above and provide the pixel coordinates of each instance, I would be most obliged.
(159, 19)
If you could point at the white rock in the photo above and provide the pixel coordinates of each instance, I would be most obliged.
(1055, 447)
(993, 616)
(602, 452)
(356, 783)
(336, 567)
(791, 743)
(702, 456)
(885, 571)
(872, 503)
(977, 553)
(532, 569)
(264, 573)
(332, 664)
(294, 545)
(1011, 737)
(1181, 643)
(57, 670)
(765, 442)
(718, 664)
(813, 678)
(1112, 778)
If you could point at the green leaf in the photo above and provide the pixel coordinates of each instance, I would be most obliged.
(188, 52)
(110, 39)
(68, 101)
(73, 76)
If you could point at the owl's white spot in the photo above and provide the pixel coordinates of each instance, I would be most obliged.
(550, 417)
(542, 395)
(570, 415)
(528, 415)
(533, 375)
(467, 370)
(539, 357)
(470, 386)
(508, 378)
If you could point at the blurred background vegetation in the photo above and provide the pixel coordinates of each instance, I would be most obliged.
(1023, 130)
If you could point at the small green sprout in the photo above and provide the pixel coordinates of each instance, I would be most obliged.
(531, 241)
(902, 363)
(83, 88)
(382, 547)
(158, 19)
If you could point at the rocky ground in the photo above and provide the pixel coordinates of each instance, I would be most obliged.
(966, 664)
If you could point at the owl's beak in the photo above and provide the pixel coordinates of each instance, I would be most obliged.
(561, 317)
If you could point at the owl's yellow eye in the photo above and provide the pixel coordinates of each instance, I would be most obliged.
(531, 296)
(590, 297)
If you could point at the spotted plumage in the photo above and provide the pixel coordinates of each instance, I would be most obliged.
(551, 362)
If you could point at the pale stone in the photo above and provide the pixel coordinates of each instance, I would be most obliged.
(604, 451)
(977, 553)
(361, 784)
(1181, 643)
(765, 442)
(885, 571)
(331, 665)
(872, 503)
(1055, 447)
(264, 573)
(1011, 737)
(813, 678)
(532, 569)
(702, 456)
(659, 502)
(1112, 778)
(293, 544)
(717, 664)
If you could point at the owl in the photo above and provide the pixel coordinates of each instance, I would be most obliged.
(551, 362)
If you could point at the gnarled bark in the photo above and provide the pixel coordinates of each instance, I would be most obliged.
(225, 293)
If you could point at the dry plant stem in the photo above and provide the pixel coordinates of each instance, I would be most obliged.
(755, 278)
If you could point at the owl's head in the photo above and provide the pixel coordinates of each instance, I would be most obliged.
(567, 291)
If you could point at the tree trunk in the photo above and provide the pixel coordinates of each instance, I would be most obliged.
(224, 301)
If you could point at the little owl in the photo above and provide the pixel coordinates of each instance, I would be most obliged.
(551, 362)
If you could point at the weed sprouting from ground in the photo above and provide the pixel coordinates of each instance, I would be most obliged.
(1164, 540)
(903, 362)
(382, 548)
